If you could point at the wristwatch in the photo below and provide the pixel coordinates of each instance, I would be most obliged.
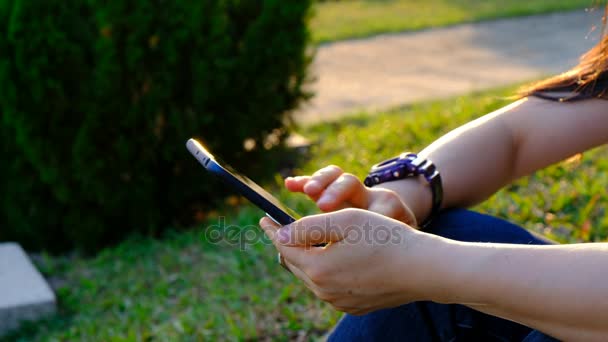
(409, 165)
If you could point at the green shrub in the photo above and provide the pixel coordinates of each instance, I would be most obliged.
(99, 98)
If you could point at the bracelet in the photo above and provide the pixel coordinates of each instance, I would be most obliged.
(409, 165)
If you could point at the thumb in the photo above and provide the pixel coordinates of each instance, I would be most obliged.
(315, 230)
(271, 229)
(294, 255)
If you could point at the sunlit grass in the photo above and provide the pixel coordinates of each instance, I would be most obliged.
(186, 288)
(338, 20)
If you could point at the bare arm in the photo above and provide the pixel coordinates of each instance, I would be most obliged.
(560, 290)
(479, 158)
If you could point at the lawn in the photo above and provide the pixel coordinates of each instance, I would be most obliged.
(185, 287)
(338, 20)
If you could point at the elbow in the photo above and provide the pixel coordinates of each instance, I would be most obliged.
(514, 142)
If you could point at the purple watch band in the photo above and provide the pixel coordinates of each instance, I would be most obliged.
(409, 165)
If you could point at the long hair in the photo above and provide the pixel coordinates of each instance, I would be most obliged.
(588, 79)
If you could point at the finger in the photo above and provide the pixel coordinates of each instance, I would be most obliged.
(316, 229)
(300, 275)
(321, 179)
(358, 312)
(346, 188)
(271, 230)
(296, 184)
(346, 309)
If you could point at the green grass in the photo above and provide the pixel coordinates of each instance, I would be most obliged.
(184, 287)
(338, 20)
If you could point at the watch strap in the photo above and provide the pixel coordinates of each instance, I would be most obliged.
(409, 165)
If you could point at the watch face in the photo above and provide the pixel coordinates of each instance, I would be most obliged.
(393, 169)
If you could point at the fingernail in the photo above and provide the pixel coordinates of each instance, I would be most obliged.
(284, 235)
(312, 186)
(326, 199)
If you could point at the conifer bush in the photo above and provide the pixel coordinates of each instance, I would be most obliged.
(99, 97)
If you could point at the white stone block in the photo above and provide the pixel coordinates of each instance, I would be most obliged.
(24, 293)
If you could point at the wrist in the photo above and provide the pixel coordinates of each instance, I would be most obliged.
(458, 266)
(443, 271)
(410, 165)
(415, 193)
(423, 278)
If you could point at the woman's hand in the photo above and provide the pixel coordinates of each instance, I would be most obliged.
(333, 189)
(370, 261)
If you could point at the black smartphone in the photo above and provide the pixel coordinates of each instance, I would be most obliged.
(274, 209)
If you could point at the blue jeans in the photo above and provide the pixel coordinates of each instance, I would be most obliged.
(428, 321)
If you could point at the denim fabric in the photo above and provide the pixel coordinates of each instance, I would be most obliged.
(428, 321)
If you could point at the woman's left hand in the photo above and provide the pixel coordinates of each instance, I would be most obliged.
(370, 261)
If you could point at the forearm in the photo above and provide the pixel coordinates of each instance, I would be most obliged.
(474, 160)
(560, 290)
(484, 155)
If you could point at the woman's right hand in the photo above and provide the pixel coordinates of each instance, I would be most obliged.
(333, 189)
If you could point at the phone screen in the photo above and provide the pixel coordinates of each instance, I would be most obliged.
(277, 211)
(259, 190)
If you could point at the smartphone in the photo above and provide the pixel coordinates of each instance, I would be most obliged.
(274, 209)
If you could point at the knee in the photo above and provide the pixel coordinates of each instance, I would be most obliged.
(378, 325)
(454, 216)
(452, 221)
(470, 226)
(357, 328)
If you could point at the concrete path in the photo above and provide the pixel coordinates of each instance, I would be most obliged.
(396, 69)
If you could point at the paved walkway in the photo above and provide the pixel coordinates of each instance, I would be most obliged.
(396, 69)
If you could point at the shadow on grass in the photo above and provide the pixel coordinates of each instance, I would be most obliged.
(29, 330)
